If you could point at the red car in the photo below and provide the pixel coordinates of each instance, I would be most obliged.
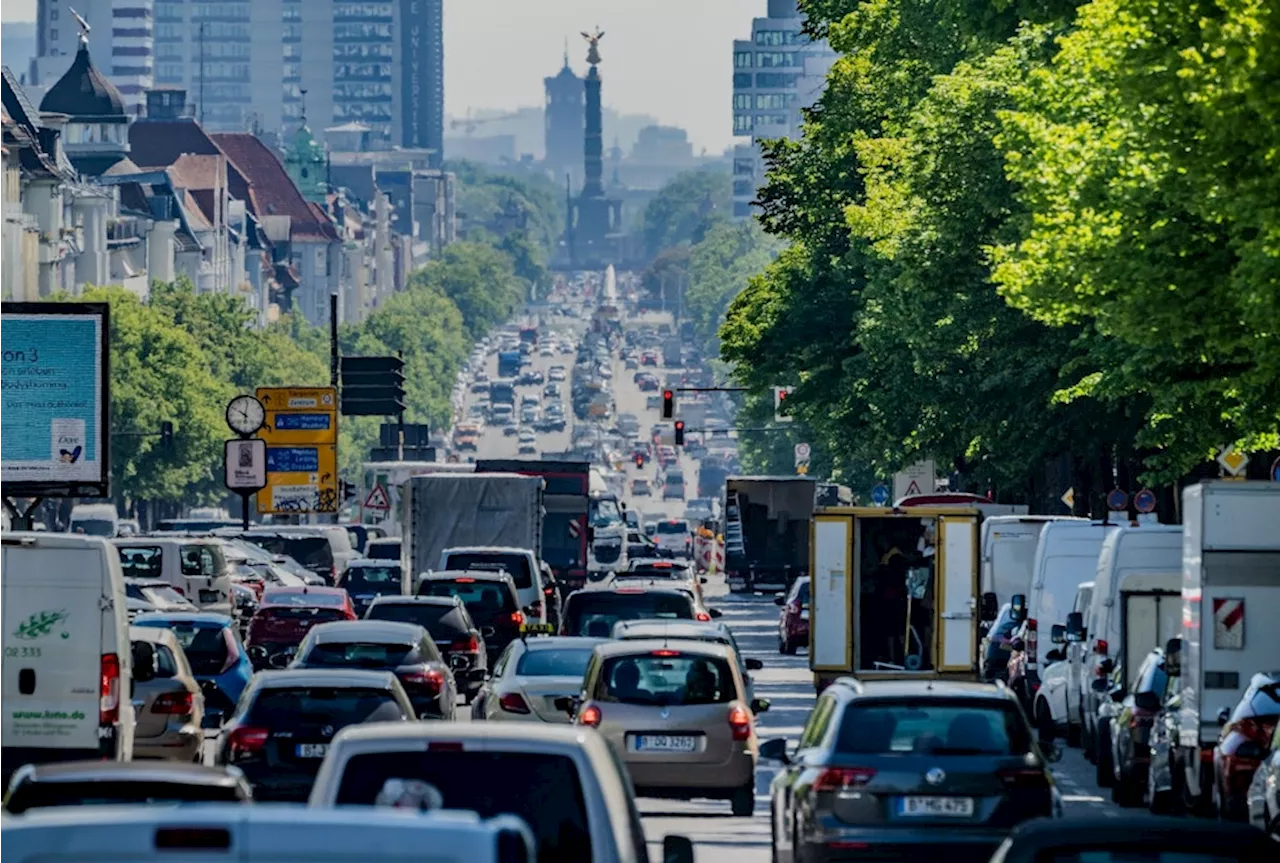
(667, 456)
(1244, 744)
(793, 622)
(649, 358)
(287, 614)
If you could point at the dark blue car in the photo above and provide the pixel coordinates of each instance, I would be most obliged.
(217, 657)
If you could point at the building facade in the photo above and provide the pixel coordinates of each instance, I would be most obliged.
(565, 118)
(777, 73)
(122, 30)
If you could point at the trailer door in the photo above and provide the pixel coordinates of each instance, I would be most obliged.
(831, 594)
(957, 588)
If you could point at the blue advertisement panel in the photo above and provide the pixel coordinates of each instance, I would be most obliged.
(55, 434)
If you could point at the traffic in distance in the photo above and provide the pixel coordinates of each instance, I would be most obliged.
(584, 634)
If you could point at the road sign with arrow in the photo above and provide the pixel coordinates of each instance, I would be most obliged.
(301, 433)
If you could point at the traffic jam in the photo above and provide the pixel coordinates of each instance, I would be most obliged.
(582, 633)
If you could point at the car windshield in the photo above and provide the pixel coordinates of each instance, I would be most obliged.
(933, 727)
(514, 565)
(604, 512)
(289, 707)
(668, 678)
(554, 662)
(594, 613)
(542, 789)
(357, 654)
(372, 579)
(41, 795)
(442, 621)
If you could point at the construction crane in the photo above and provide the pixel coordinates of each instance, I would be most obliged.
(469, 123)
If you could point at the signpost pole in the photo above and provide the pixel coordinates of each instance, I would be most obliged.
(333, 339)
(244, 509)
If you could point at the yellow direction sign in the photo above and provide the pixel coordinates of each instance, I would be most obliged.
(1234, 463)
(301, 432)
(1069, 498)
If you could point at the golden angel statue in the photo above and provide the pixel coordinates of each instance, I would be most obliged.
(593, 52)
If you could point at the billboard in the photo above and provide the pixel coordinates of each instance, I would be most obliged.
(55, 436)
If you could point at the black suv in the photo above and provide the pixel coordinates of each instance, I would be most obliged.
(490, 598)
(452, 629)
(908, 770)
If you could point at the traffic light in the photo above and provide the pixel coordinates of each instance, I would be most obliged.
(679, 432)
(781, 412)
(639, 459)
(372, 386)
(668, 404)
(348, 490)
(166, 435)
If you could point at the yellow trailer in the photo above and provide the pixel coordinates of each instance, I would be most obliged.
(894, 593)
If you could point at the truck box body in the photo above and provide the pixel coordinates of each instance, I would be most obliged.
(383, 482)
(1009, 552)
(864, 618)
(452, 510)
(767, 530)
(508, 364)
(565, 502)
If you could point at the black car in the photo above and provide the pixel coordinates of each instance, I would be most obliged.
(594, 612)
(908, 770)
(450, 624)
(79, 783)
(366, 580)
(490, 598)
(405, 649)
(1130, 731)
(280, 732)
(1104, 839)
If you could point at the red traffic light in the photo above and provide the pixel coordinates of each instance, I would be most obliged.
(679, 432)
(668, 404)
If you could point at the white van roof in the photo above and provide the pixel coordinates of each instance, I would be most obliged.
(94, 510)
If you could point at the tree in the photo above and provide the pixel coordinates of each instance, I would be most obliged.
(685, 209)
(479, 279)
(718, 269)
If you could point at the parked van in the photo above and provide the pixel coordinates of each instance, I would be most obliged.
(194, 566)
(1009, 552)
(1137, 606)
(94, 519)
(67, 662)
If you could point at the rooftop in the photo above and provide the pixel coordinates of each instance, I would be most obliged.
(84, 92)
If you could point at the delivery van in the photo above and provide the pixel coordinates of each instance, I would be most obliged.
(67, 663)
(193, 566)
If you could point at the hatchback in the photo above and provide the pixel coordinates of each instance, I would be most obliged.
(219, 662)
(168, 708)
(531, 676)
(450, 625)
(286, 615)
(793, 620)
(490, 598)
(593, 613)
(366, 580)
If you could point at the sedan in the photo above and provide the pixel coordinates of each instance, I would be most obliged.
(531, 676)
(641, 487)
(168, 707)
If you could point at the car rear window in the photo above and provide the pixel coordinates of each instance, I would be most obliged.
(383, 551)
(442, 621)
(302, 599)
(287, 707)
(372, 579)
(933, 727)
(515, 565)
(666, 677)
(658, 570)
(1261, 700)
(312, 552)
(554, 662)
(359, 654)
(207, 647)
(542, 789)
(482, 598)
(673, 527)
(802, 593)
(41, 795)
(309, 614)
(595, 612)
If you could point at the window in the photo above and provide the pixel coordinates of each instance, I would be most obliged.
(815, 730)
(287, 708)
(776, 80)
(773, 101)
(201, 560)
(742, 124)
(595, 613)
(661, 679)
(777, 59)
(741, 80)
(743, 188)
(744, 167)
(166, 663)
(359, 654)
(53, 34)
(742, 59)
(742, 101)
(771, 119)
(558, 662)
(141, 562)
(741, 209)
(933, 726)
(372, 579)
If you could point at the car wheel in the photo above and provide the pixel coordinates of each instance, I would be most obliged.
(773, 834)
(743, 801)
(1102, 756)
(789, 647)
(1159, 802)
(1073, 735)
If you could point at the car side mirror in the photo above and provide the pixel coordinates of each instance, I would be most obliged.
(990, 607)
(754, 664)
(759, 705)
(715, 613)
(1058, 634)
(1075, 627)
(144, 661)
(779, 599)
(1224, 715)
(775, 749)
(677, 849)
(703, 580)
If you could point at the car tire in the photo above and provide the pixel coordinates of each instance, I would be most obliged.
(1102, 756)
(1160, 802)
(1074, 735)
(743, 801)
(789, 647)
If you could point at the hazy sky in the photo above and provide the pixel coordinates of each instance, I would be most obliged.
(668, 58)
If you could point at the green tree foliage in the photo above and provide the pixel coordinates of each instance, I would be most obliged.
(718, 269)
(479, 279)
(685, 209)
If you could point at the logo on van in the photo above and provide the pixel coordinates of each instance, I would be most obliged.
(40, 624)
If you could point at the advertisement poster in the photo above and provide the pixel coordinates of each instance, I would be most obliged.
(54, 399)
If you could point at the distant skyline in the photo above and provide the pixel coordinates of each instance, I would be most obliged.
(672, 59)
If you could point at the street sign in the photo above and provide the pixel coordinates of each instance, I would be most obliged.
(803, 468)
(802, 452)
(919, 478)
(1069, 498)
(378, 499)
(880, 495)
(1117, 500)
(301, 438)
(245, 464)
(1234, 463)
(1145, 500)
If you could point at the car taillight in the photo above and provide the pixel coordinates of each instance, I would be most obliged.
(740, 723)
(512, 702)
(432, 679)
(838, 778)
(1101, 647)
(246, 740)
(590, 715)
(1254, 730)
(180, 591)
(702, 616)
(517, 617)
(1032, 640)
(470, 644)
(1023, 778)
(174, 704)
(109, 690)
(333, 573)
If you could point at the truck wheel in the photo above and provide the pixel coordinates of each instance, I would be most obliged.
(1102, 756)
(743, 801)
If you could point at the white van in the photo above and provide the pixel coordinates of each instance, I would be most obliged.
(94, 519)
(262, 833)
(1137, 605)
(67, 662)
(1009, 552)
(193, 566)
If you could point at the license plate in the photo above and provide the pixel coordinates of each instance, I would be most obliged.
(665, 743)
(312, 750)
(804, 615)
(210, 596)
(949, 807)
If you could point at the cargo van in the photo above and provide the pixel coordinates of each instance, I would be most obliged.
(1009, 552)
(67, 662)
(193, 566)
(94, 519)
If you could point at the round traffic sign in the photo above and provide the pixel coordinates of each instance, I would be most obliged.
(880, 495)
(802, 451)
(1145, 500)
(1117, 500)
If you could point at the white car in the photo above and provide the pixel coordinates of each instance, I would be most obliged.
(673, 536)
(530, 676)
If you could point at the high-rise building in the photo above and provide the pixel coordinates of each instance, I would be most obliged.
(565, 115)
(122, 33)
(777, 73)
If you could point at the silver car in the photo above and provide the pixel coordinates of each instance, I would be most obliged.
(168, 707)
(531, 676)
(690, 630)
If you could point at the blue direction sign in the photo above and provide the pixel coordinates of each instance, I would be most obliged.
(880, 495)
(1145, 500)
(1117, 500)
(303, 422)
(293, 459)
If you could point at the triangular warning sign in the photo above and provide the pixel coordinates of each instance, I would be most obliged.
(377, 498)
(913, 488)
